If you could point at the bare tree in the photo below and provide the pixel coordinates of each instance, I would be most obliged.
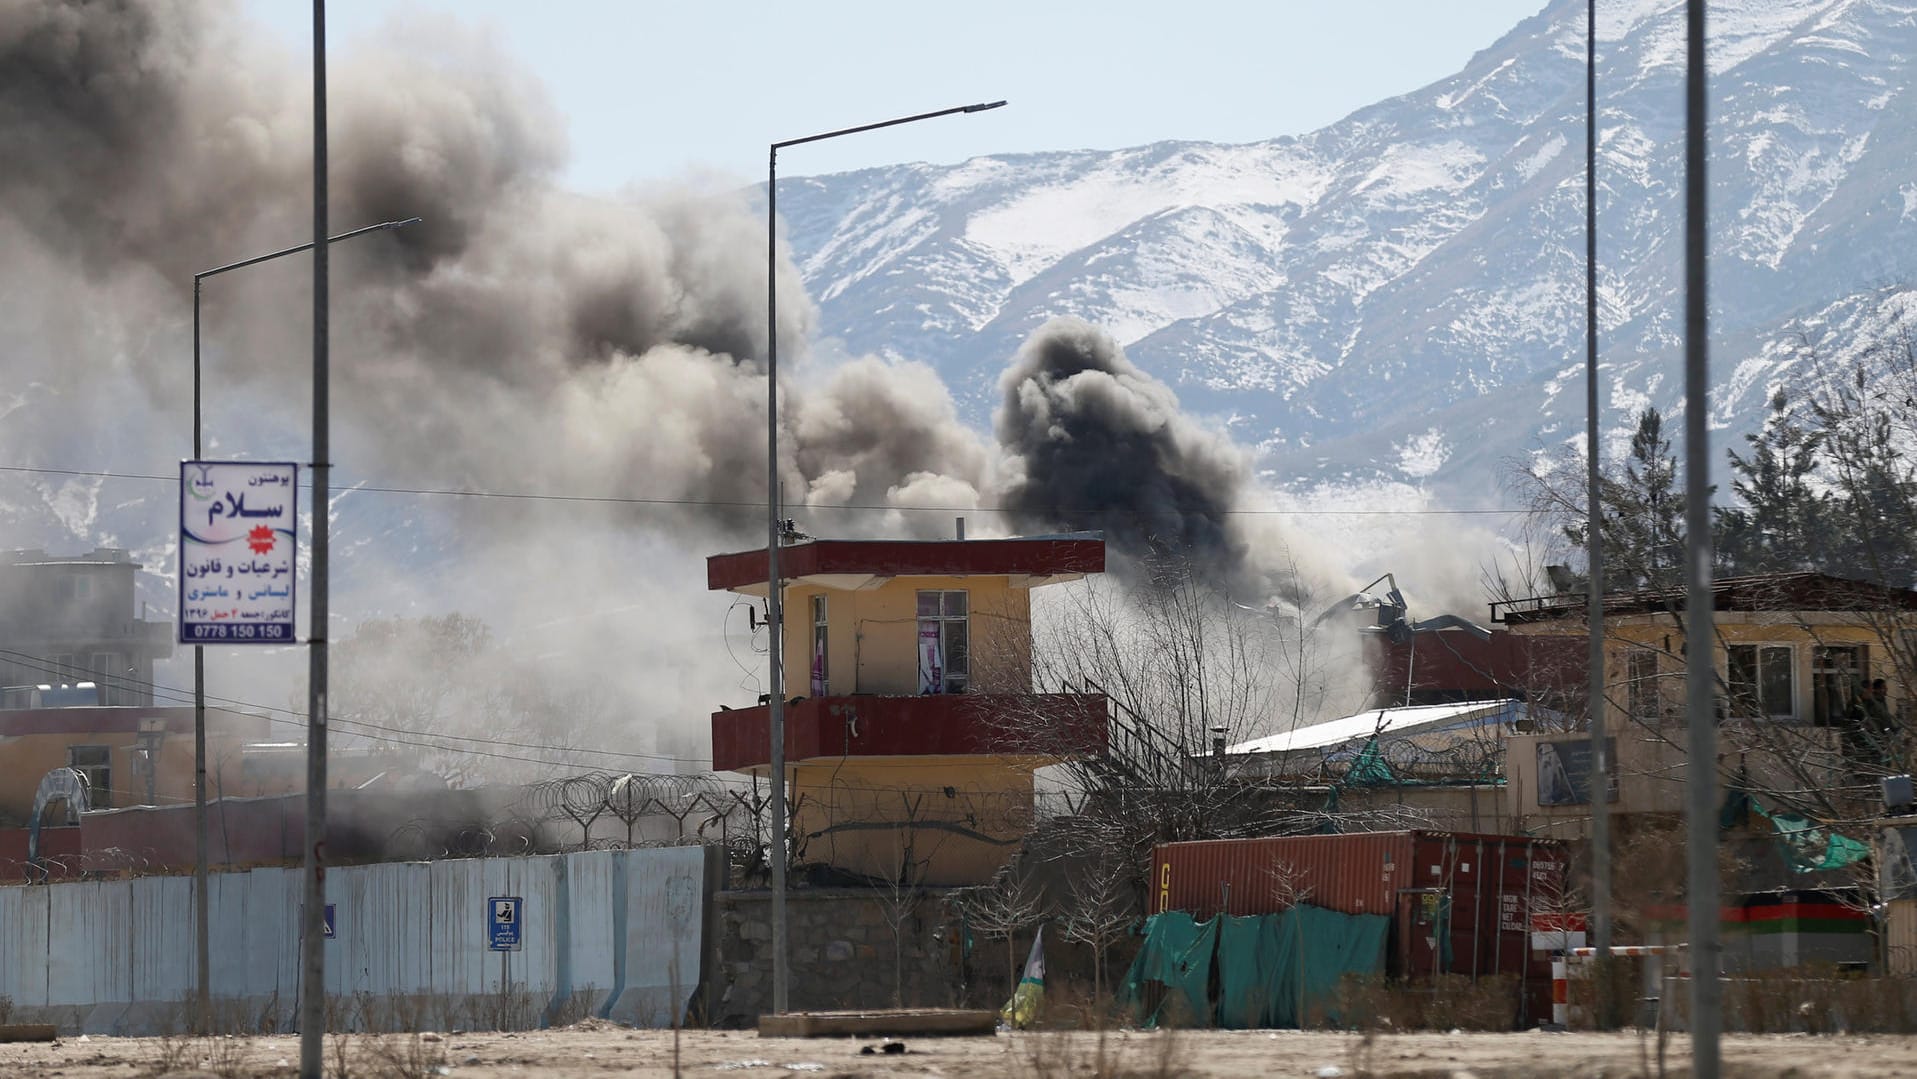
(902, 893)
(1184, 670)
(999, 910)
(1101, 908)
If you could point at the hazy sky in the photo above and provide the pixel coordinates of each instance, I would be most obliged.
(652, 90)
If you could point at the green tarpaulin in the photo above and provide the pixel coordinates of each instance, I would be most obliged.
(1369, 769)
(1809, 846)
(1177, 957)
(1257, 971)
(1806, 844)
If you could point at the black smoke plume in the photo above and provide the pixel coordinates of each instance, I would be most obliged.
(1092, 442)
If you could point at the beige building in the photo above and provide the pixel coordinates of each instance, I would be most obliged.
(129, 756)
(1795, 660)
(911, 732)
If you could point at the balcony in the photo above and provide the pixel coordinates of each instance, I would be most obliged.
(1048, 725)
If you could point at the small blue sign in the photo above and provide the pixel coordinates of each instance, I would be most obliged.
(326, 921)
(503, 915)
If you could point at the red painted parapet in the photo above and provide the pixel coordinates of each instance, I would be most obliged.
(986, 724)
(1034, 557)
(60, 855)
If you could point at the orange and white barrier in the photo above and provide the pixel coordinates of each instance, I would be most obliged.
(1560, 992)
(1630, 950)
(1573, 963)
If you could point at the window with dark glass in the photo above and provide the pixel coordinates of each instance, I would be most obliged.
(96, 764)
(1762, 682)
(1838, 682)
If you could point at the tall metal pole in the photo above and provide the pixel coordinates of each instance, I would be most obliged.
(203, 976)
(1700, 621)
(313, 936)
(775, 605)
(1594, 555)
(775, 600)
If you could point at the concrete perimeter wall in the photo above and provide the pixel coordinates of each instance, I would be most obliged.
(851, 948)
(619, 934)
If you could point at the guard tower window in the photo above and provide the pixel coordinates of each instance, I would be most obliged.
(945, 646)
(96, 764)
(820, 671)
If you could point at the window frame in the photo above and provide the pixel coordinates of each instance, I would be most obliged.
(101, 666)
(954, 634)
(1643, 693)
(1827, 712)
(100, 789)
(821, 670)
(1757, 684)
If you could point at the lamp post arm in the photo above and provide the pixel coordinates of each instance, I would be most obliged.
(980, 107)
(307, 246)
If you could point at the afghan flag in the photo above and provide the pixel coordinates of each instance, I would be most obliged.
(1022, 1010)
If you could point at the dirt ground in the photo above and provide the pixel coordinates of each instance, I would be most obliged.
(595, 1050)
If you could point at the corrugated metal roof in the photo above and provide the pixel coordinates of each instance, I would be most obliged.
(1417, 719)
(1758, 592)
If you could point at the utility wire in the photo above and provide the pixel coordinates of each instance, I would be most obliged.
(180, 697)
(748, 504)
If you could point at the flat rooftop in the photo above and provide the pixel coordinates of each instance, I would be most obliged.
(850, 564)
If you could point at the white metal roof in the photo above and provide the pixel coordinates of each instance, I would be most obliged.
(1398, 721)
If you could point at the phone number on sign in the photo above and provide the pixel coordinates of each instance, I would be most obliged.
(202, 632)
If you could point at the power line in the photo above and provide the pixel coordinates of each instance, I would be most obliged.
(759, 504)
(180, 697)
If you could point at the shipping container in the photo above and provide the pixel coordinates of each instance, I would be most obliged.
(1459, 903)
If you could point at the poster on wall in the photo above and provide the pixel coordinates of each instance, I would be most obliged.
(1564, 771)
(239, 535)
(931, 659)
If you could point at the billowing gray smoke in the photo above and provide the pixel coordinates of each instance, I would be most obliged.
(1094, 442)
(519, 339)
(517, 336)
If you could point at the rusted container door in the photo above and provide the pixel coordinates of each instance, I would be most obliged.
(1360, 873)
(1419, 932)
(1498, 884)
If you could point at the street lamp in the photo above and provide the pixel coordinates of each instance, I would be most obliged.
(1594, 557)
(204, 983)
(775, 682)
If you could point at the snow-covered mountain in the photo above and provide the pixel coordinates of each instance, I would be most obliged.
(1401, 293)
